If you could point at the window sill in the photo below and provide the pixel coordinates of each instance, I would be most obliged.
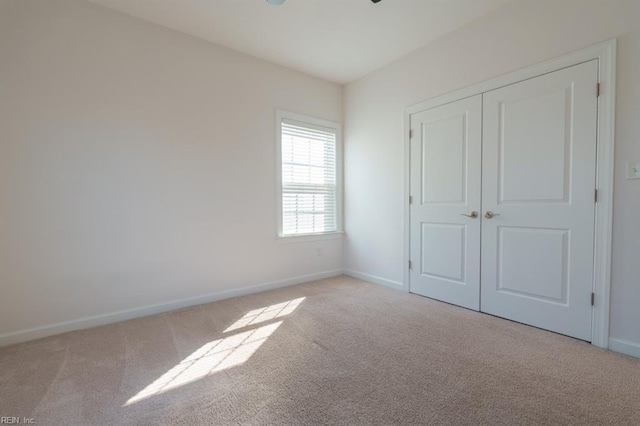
(310, 237)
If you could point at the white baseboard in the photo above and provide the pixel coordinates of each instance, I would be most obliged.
(373, 279)
(143, 311)
(625, 347)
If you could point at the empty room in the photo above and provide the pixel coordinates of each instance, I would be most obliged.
(310, 212)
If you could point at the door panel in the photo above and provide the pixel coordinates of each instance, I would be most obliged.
(539, 156)
(534, 136)
(545, 279)
(445, 185)
(438, 239)
(443, 166)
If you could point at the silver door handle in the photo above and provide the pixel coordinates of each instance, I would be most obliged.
(473, 214)
(490, 214)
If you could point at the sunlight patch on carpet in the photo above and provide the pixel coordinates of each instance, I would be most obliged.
(258, 316)
(211, 358)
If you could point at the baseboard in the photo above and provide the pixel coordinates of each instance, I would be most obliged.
(373, 279)
(143, 311)
(625, 347)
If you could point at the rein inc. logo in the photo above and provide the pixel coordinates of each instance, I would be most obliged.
(6, 420)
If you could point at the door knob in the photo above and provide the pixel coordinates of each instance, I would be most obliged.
(473, 214)
(490, 214)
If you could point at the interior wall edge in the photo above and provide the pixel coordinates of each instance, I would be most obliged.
(29, 334)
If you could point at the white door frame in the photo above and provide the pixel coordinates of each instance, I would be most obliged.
(605, 52)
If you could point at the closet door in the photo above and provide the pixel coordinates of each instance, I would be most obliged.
(445, 190)
(538, 183)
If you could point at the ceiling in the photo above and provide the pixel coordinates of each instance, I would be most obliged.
(337, 40)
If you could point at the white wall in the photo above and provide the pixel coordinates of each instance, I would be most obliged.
(137, 166)
(523, 33)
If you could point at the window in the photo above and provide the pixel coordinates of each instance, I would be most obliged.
(309, 178)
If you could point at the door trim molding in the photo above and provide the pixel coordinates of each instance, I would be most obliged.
(605, 52)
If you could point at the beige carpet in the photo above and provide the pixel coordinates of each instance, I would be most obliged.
(336, 351)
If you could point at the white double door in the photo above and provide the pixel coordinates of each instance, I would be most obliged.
(503, 208)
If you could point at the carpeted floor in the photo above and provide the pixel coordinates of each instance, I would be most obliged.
(336, 351)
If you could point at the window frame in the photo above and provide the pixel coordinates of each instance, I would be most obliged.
(312, 121)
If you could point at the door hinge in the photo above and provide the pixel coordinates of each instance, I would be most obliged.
(410, 133)
(410, 199)
(598, 90)
(593, 299)
(595, 195)
(410, 265)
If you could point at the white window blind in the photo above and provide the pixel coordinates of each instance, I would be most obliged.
(309, 179)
